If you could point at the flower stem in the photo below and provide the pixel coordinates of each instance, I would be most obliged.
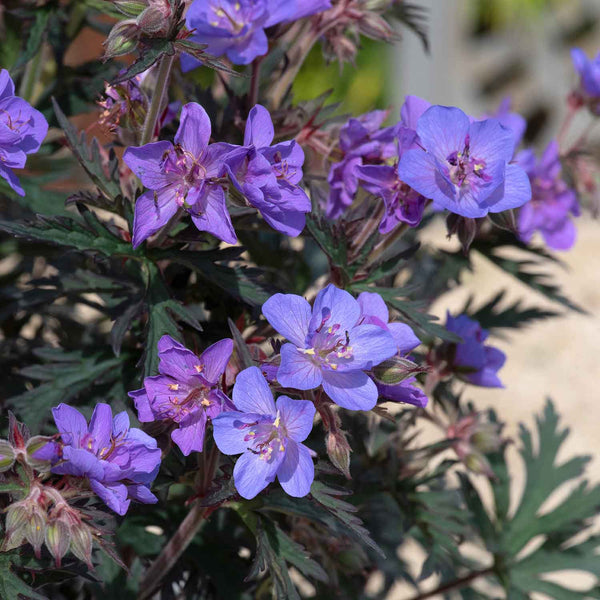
(31, 77)
(162, 83)
(185, 533)
(388, 241)
(172, 551)
(255, 81)
(457, 584)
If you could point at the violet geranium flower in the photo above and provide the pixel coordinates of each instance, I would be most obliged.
(374, 311)
(472, 360)
(464, 167)
(589, 77)
(182, 175)
(268, 436)
(552, 201)
(268, 176)
(363, 141)
(186, 391)
(329, 346)
(22, 131)
(236, 27)
(119, 462)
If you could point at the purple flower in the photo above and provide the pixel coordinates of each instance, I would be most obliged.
(375, 312)
(362, 140)
(410, 113)
(119, 462)
(236, 27)
(472, 360)
(268, 176)
(186, 391)
(182, 175)
(552, 201)
(464, 167)
(588, 71)
(329, 346)
(22, 130)
(402, 203)
(268, 436)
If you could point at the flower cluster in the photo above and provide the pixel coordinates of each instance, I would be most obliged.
(191, 174)
(22, 131)
(552, 202)
(236, 28)
(120, 462)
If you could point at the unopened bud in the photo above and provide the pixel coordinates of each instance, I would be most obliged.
(376, 27)
(395, 370)
(130, 8)
(155, 19)
(487, 437)
(479, 464)
(81, 543)
(338, 451)
(58, 539)
(7, 456)
(16, 520)
(35, 530)
(122, 39)
(41, 451)
(18, 433)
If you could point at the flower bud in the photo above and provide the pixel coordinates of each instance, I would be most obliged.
(18, 433)
(395, 370)
(155, 19)
(35, 529)
(7, 456)
(122, 39)
(58, 539)
(487, 438)
(81, 543)
(130, 8)
(479, 464)
(41, 451)
(376, 27)
(16, 520)
(338, 451)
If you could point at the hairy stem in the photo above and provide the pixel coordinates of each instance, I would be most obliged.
(388, 241)
(457, 584)
(162, 83)
(31, 76)
(255, 81)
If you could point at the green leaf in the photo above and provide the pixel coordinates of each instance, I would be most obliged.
(514, 316)
(65, 231)
(36, 34)
(153, 51)
(65, 376)
(11, 586)
(90, 159)
(163, 314)
(239, 282)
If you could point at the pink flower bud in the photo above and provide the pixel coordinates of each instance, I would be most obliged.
(156, 19)
(81, 543)
(338, 451)
(58, 539)
(35, 529)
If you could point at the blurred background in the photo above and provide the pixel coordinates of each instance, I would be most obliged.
(480, 52)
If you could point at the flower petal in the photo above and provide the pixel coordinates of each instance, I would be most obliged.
(297, 471)
(71, 424)
(252, 394)
(213, 216)
(190, 435)
(297, 369)
(101, 427)
(152, 212)
(443, 130)
(80, 463)
(252, 474)
(373, 305)
(341, 307)
(259, 128)
(289, 315)
(297, 417)
(353, 390)
(404, 336)
(230, 430)
(215, 358)
(194, 129)
(515, 192)
(145, 162)
(371, 345)
(114, 495)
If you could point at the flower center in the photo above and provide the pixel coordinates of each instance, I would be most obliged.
(465, 169)
(329, 345)
(266, 437)
(232, 20)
